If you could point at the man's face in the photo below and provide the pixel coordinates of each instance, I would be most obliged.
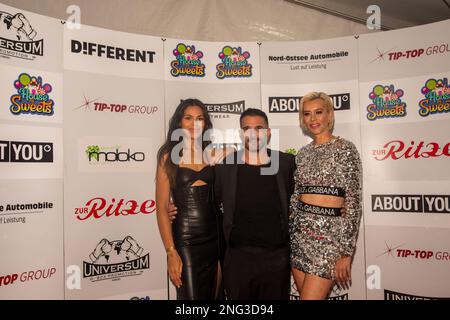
(254, 132)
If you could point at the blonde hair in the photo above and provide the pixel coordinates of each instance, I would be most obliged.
(327, 103)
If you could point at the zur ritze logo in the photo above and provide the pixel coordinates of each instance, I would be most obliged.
(398, 149)
(32, 96)
(386, 103)
(97, 154)
(392, 295)
(113, 260)
(341, 101)
(98, 207)
(234, 63)
(188, 62)
(21, 151)
(437, 97)
(18, 38)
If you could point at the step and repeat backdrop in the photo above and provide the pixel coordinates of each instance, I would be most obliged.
(84, 111)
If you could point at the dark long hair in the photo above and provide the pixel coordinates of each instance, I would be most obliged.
(175, 123)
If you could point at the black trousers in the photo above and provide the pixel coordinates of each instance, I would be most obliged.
(255, 273)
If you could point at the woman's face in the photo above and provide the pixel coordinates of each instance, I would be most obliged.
(193, 121)
(316, 117)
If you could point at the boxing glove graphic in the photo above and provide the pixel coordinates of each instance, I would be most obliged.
(102, 248)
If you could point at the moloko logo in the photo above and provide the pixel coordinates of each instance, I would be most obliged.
(397, 149)
(341, 101)
(20, 151)
(98, 154)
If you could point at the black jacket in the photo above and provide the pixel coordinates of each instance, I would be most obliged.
(226, 183)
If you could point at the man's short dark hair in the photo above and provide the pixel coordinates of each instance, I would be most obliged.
(252, 112)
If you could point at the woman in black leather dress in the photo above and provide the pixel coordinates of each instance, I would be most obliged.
(191, 241)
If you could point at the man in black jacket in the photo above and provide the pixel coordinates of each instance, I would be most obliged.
(253, 187)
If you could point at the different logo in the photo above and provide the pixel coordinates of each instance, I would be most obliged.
(20, 151)
(110, 52)
(437, 97)
(386, 103)
(112, 260)
(32, 96)
(341, 101)
(392, 295)
(411, 203)
(97, 208)
(17, 37)
(98, 154)
(234, 63)
(187, 62)
(397, 149)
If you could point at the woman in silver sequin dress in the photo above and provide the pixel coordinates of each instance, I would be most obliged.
(326, 205)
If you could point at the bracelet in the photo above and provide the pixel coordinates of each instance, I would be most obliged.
(170, 249)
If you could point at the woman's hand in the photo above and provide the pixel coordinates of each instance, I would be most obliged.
(343, 272)
(174, 266)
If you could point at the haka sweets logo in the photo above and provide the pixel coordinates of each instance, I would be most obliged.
(234, 63)
(386, 103)
(32, 96)
(437, 97)
(187, 62)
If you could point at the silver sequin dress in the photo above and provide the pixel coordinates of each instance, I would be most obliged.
(319, 240)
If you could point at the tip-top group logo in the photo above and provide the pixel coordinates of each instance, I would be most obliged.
(113, 260)
(31, 97)
(21, 151)
(96, 154)
(187, 62)
(17, 37)
(234, 63)
(386, 103)
(341, 101)
(400, 252)
(115, 108)
(437, 97)
(392, 295)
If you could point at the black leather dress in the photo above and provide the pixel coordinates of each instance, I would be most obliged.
(195, 233)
